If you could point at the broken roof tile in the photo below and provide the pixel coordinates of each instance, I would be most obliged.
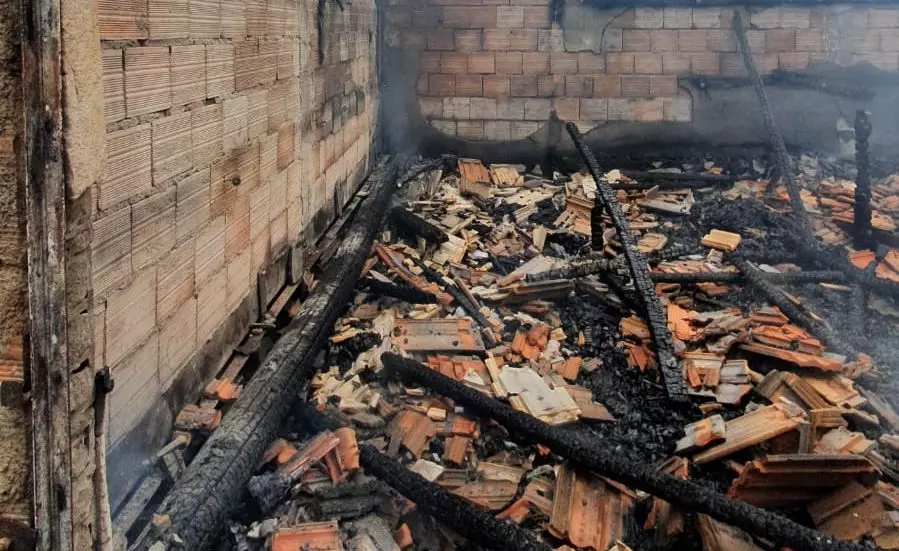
(702, 434)
(315, 450)
(722, 240)
(717, 536)
(455, 449)
(459, 336)
(194, 417)
(490, 494)
(586, 510)
(799, 479)
(748, 430)
(798, 358)
(312, 536)
(411, 429)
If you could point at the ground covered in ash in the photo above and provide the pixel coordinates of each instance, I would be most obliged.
(647, 426)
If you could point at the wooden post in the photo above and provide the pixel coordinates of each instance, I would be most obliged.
(45, 201)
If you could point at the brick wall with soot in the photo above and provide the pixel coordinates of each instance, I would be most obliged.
(228, 138)
(494, 69)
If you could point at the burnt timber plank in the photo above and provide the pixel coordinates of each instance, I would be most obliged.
(212, 485)
(45, 203)
(669, 366)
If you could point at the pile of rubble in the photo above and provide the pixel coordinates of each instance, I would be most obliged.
(508, 284)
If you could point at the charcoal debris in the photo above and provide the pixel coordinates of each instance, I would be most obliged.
(507, 325)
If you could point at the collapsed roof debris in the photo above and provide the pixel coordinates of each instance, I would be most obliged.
(504, 381)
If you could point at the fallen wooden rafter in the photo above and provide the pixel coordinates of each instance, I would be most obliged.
(212, 485)
(685, 494)
(669, 366)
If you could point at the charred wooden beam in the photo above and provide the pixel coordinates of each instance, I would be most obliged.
(662, 176)
(668, 362)
(476, 524)
(442, 162)
(674, 252)
(825, 276)
(45, 211)
(455, 292)
(213, 483)
(795, 312)
(784, 161)
(597, 239)
(591, 454)
(402, 292)
(662, 184)
(413, 226)
(862, 209)
(575, 271)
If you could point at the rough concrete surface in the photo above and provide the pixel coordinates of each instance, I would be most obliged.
(14, 472)
(14, 478)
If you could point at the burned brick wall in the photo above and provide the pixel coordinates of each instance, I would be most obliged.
(234, 131)
(494, 69)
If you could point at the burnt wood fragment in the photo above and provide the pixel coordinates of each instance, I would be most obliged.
(669, 366)
(678, 176)
(824, 276)
(213, 484)
(862, 209)
(592, 454)
(784, 162)
(796, 313)
(412, 225)
(402, 292)
(476, 524)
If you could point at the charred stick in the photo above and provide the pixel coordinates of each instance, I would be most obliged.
(579, 270)
(784, 161)
(554, 132)
(605, 298)
(212, 485)
(661, 184)
(591, 454)
(862, 208)
(476, 524)
(601, 266)
(858, 309)
(443, 161)
(828, 276)
(597, 240)
(414, 226)
(812, 250)
(674, 252)
(402, 292)
(679, 177)
(799, 315)
(453, 291)
(656, 319)
(618, 285)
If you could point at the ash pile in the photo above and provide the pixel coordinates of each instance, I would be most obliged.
(620, 362)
